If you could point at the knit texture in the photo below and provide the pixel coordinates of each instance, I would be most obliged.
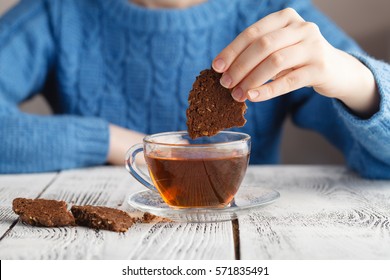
(111, 61)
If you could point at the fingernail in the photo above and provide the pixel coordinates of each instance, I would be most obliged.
(226, 80)
(237, 94)
(219, 65)
(253, 94)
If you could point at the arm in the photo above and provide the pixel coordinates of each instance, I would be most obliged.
(30, 143)
(363, 137)
(121, 140)
(298, 48)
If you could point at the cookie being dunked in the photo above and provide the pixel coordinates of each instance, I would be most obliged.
(211, 107)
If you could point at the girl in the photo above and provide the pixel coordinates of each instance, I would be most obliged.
(115, 70)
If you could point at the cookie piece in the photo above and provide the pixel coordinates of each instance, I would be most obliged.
(147, 218)
(43, 212)
(211, 106)
(100, 217)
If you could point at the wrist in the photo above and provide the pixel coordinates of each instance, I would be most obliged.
(351, 82)
(363, 98)
(121, 140)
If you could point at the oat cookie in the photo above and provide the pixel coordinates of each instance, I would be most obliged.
(43, 212)
(211, 107)
(100, 217)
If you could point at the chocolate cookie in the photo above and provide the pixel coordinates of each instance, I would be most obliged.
(211, 106)
(100, 217)
(43, 212)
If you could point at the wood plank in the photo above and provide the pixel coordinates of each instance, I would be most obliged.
(12, 186)
(174, 241)
(110, 186)
(323, 213)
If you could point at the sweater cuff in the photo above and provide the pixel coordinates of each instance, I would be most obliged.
(91, 136)
(379, 123)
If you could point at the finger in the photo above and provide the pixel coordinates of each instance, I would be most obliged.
(267, 24)
(294, 80)
(291, 57)
(259, 50)
(282, 73)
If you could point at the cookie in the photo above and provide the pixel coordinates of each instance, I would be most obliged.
(43, 212)
(100, 217)
(211, 107)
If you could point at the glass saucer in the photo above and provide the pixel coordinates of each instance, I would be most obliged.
(246, 200)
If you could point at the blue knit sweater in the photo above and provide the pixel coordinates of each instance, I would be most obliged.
(109, 61)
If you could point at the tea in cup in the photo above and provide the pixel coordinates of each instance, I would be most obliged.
(202, 173)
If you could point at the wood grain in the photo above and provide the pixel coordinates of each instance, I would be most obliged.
(174, 241)
(323, 213)
(110, 186)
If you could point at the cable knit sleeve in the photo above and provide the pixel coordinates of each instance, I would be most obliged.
(32, 143)
(364, 142)
(371, 153)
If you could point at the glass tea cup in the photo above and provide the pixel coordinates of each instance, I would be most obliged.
(202, 173)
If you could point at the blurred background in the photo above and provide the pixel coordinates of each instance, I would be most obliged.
(368, 22)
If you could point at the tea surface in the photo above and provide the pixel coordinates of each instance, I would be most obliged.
(197, 182)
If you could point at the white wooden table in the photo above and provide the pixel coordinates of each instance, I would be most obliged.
(325, 212)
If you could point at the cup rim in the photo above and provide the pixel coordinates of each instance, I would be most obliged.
(147, 139)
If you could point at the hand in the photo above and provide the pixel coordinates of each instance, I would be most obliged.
(291, 52)
(121, 140)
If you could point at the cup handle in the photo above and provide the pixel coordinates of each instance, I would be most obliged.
(133, 169)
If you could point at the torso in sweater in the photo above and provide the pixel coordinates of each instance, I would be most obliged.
(110, 61)
(134, 67)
